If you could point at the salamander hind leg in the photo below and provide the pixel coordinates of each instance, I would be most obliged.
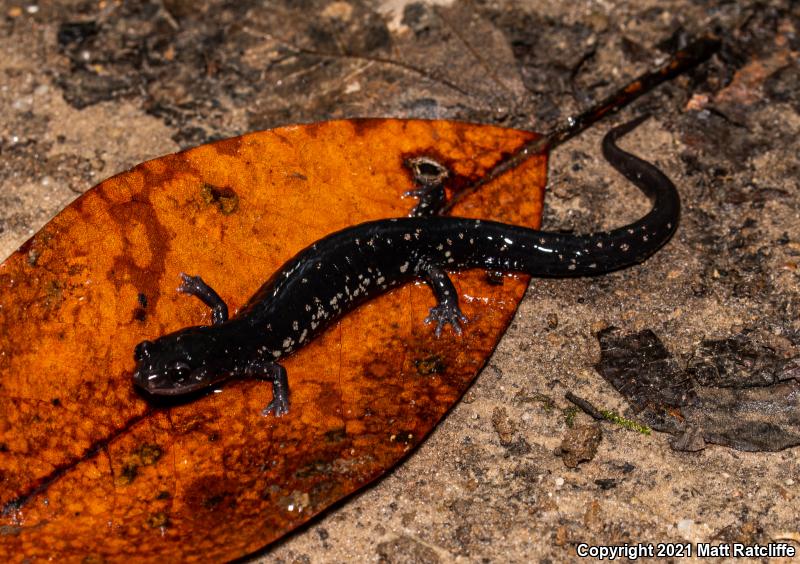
(274, 372)
(446, 309)
(196, 286)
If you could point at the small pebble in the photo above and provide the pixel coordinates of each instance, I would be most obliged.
(685, 527)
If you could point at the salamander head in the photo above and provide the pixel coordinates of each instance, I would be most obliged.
(179, 363)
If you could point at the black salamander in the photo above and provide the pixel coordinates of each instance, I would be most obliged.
(337, 273)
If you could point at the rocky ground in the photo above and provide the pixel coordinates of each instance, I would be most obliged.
(514, 473)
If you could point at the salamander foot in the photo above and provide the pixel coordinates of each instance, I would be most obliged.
(443, 314)
(265, 370)
(278, 406)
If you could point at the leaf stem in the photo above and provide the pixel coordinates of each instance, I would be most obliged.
(687, 58)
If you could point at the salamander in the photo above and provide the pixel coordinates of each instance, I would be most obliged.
(334, 275)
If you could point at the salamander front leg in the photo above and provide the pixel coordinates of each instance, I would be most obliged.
(446, 309)
(195, 286)
(430, 200)
(274, 372)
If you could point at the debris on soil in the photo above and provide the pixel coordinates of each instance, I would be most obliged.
(503, 425)
(580, 444)
(585, 405)
(740, 361)
(736, 392)
(643, 371)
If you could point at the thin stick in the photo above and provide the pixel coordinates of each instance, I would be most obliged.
(685, 59)
(585, 406)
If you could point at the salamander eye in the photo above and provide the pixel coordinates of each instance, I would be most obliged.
(181, 367)
(142, 351)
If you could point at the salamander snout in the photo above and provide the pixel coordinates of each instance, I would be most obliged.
(179, 363)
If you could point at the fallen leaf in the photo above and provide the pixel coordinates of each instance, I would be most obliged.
(90, 471)
(745, 88)
(736, 392)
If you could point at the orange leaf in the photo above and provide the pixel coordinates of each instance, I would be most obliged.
(88, 469)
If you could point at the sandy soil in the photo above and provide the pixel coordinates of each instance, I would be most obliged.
(90, 88)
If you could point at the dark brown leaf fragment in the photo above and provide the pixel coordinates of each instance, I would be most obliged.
(735, 392)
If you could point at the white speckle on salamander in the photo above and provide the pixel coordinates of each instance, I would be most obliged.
(303, 335)
(404, 266)
(295, 325)
(407, 236)
(276, 354)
